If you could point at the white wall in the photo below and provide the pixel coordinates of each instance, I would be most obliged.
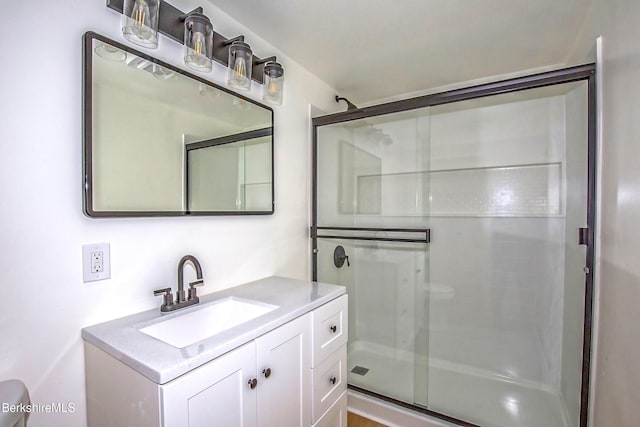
(45, 302)
(617, 371)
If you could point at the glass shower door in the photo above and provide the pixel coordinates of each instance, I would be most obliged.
(508, 195)
(455, 230)
(372, 237)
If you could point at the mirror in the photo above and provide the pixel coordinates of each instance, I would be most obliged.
(159, 141)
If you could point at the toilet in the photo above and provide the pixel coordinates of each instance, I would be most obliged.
(14, 398)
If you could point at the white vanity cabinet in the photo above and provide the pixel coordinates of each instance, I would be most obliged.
(264, 383)
(291, 376)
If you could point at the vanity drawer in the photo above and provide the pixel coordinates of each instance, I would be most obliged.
(329, 329)
(329, 382)
(336, 416)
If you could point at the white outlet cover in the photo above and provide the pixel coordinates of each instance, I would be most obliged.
(87, 275)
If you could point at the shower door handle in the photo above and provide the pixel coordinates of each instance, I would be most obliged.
(583, 236)
(339, 257)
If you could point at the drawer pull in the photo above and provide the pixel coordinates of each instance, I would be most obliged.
(253, 383)
(334, 328)
(333, 380)
(266, 372)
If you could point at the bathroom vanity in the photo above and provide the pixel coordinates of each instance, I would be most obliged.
(285, 366)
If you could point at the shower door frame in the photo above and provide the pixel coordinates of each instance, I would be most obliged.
(587, 73)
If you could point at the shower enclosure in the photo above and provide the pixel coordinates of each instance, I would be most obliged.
(462, 225)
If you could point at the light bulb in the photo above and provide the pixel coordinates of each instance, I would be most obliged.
(141, 13)
(272, 87)
(197, 56)
(240, 67)
(142, 19)
(239, 71)
(240, 56)
(273, 91)
(273, 83)
(140, 25)
(198, 43)
(198, 37)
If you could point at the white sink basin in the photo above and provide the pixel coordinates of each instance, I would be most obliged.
(194, 326)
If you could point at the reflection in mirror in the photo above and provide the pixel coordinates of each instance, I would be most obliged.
(159, 141)
(225, 175)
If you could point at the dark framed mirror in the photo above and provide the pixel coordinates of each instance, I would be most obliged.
(160, 141)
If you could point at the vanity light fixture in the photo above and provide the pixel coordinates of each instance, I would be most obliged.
(198, 41)
(240, 64)
(143, 19)
(140, 22)
(273, 83)
(272, 76)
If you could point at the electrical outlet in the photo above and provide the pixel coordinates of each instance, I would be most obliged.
(96, 263)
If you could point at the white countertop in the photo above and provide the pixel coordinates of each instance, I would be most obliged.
(161, 362)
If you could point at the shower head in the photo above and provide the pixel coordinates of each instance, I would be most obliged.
(350, 105)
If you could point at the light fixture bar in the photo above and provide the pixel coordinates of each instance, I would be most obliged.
(258, 66)
(171, 24)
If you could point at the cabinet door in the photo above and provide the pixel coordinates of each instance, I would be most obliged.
(284, 375)
(216, 394)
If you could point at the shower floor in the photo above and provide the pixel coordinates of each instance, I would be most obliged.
(465, 393)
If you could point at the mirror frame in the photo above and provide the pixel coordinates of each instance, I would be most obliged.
(87, 145)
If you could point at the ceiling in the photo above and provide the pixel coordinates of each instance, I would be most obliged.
(374, 49)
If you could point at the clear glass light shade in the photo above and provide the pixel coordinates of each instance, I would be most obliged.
(273, 83)
(140, 22)
(198, 42)
(240, 63)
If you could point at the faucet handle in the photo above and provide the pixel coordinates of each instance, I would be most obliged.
(193, 293)
(167, 296)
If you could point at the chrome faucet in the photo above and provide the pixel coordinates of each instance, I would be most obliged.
(181, 299)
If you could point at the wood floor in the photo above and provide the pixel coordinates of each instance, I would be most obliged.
(354, 420)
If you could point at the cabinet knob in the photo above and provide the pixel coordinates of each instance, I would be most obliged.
(333, 380)
(266, 372)
(333, 328)
(253, 383)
